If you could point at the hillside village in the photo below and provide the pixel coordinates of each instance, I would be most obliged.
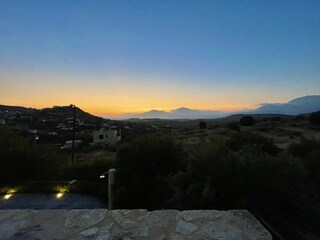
(55, 125)
(53, 128)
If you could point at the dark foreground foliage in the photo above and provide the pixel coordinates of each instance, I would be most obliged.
(22, 160)
(143, 170)
(243, 170)
(237, 170)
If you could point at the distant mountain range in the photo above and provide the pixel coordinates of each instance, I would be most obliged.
(180, 113)
(296, 106)
(301, 105)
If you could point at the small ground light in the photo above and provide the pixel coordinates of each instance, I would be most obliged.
(59, 195)
(7, 196)
(61, 190)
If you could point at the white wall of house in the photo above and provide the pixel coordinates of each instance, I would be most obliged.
(110, 136)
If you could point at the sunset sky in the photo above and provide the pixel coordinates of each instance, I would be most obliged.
(115, 57)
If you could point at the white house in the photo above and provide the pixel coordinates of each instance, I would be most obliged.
(108, 137)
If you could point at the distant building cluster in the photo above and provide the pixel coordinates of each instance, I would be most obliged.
(55, 126)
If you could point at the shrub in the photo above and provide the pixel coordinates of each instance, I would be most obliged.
(303, 148)
(203, 125)
(315, 118)
(312, 164)
(254, 141)
(88, 171)
(143, 168)
(276, 119)
(308, 150)
(247, 121)
(111, 148)
(21, 160)
(234, 126)
(217, 177)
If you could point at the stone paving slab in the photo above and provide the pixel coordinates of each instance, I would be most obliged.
(102, 224)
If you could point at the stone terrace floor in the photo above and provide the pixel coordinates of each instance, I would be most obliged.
(130, 224)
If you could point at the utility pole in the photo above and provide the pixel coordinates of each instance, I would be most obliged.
(73, 131)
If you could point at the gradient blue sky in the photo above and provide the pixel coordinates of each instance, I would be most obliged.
(113, 57)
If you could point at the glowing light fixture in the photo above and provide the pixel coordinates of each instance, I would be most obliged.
(59, 195)
(103, 175)
(7, 196)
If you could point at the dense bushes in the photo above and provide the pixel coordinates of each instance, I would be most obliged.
(253, 141)
(308, 151)
(240, 171)
(143, 170)
(303, 148)
(88, 171)
(218, 176)
(21, 160)
(235, 171)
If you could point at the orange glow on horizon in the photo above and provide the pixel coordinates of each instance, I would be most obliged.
(108, 95)
(120, 110)
(226, 108)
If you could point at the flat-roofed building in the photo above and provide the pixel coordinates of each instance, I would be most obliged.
(107, 137)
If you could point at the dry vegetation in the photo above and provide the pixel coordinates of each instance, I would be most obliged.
(283, 132)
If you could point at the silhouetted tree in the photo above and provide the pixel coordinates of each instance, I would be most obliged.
(203, 125)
